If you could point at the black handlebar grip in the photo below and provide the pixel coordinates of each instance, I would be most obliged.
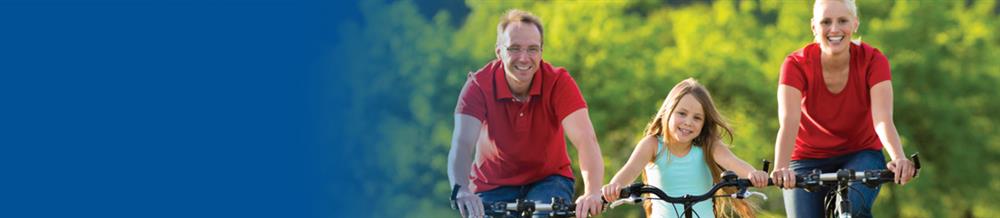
(454, 191)
(916, 163)
(767, 166)
(454, 195)
(627, 191)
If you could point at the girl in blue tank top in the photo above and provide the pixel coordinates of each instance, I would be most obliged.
(682, 153)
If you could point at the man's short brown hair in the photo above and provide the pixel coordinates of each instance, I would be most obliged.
(517, 15)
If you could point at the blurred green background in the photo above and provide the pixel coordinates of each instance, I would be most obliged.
(407, 61)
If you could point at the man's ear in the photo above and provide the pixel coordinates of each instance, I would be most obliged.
(497, 51)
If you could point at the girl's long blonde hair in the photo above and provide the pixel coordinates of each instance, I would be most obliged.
(710, 135)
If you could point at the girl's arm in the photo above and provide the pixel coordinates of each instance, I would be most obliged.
(881, 95)
(644, 151)
(725, 158)
(789, 113)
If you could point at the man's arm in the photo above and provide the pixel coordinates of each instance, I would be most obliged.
(463, 144)
(463, 147)
(580, 131)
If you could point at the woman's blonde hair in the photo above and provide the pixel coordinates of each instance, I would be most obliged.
(851, 6)
(708, 138)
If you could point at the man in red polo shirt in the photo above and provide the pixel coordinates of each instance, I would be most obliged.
(511, 116)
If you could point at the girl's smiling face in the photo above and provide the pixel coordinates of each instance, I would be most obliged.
(686, 121)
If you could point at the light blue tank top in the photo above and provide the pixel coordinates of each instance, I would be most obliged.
(678, 176)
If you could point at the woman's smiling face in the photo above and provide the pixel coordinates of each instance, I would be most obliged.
(833, 24)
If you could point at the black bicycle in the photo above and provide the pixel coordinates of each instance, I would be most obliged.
(633, 193)
(841, 181)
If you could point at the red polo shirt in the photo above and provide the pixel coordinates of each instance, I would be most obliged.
(835, 124)
(521, 142)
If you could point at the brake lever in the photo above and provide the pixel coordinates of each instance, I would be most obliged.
(748, 194)
(629, 200)
(752, 193)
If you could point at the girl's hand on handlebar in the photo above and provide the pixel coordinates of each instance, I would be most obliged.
(783, 178)
(758, 178)
(903, 168)
(611, 191)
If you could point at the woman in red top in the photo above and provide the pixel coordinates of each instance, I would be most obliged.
(835, 112)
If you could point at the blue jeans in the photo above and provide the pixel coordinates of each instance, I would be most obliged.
(540, 191)
(800, 203)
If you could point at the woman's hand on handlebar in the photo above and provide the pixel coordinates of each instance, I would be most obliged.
(903, 168)
(783, 178)
(758, 178)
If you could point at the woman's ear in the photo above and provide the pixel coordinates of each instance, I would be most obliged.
(812, 25)
(857, 24)
(812, 28)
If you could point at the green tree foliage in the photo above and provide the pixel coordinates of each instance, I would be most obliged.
(406, 70)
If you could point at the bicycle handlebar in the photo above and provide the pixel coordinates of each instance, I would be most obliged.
(871, 178)
(729, 180)
(558, 208)
(631, 193)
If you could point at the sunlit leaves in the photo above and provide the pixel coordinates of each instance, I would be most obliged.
(626, 55)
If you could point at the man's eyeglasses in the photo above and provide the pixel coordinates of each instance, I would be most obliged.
(532, 50)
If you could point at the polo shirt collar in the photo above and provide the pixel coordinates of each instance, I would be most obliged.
(503, 90)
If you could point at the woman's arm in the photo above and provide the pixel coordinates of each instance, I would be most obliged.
(643, 152)
(789, 113)
(881, 95)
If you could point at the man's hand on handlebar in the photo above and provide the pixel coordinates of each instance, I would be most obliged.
(589, 204)
(469, 204)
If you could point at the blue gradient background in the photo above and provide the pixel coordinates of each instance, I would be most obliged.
(161, 108)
